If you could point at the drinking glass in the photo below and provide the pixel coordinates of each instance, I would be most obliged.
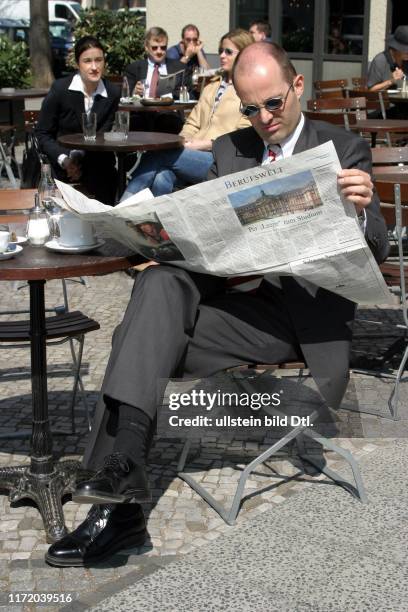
(121, 124)
(89, 125)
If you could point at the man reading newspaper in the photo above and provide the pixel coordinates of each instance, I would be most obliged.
(183, 324)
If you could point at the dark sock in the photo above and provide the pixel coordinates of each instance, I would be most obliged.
(134, 433)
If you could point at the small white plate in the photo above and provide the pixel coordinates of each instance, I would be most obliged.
(11, 252)
(20, 240)
(54, 245)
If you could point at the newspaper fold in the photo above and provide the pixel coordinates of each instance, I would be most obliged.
(287, 218)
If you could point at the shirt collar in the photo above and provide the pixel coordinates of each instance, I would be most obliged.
(288, 144)
(153, 64)
(78, 85)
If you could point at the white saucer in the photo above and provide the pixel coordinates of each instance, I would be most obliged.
(11, 253)
(54, 245)
(20, 240)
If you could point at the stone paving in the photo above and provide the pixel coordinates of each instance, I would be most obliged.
(178, 520)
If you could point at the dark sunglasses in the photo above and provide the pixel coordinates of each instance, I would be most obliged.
(161, 47)
(271, 105)
(191, 39)
(227, 51)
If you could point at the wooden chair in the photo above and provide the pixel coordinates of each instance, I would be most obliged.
(348, 109)
(394, 207)
(336, 88)
(65, 326)
(376, 100)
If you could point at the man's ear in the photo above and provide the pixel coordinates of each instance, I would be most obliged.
(299, 85)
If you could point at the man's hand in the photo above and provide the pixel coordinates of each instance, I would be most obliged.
(73, 169)
(398, 74)
(143, 266)
(198, 145)
(139, 89)
(356, 186)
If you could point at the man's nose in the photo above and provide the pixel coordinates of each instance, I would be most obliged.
(265, 115)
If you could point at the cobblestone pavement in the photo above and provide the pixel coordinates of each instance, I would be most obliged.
(178, 520)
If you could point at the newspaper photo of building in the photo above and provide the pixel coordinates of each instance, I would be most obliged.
(287, 196)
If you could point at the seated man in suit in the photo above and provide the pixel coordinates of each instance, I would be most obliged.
(143, 78)
(178, 323)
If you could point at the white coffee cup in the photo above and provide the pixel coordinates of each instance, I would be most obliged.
(4, 240)
(74, 232)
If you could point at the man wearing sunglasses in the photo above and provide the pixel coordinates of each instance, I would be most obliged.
(270, 90)
(143, 77)
(195, 328)
(189, 51)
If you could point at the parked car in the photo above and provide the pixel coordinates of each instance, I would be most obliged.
(61, 38)
(57, 9)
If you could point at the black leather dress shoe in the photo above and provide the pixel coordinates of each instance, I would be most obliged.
(118, 482)
(105, 531)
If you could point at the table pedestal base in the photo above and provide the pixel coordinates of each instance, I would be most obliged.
(45, 491)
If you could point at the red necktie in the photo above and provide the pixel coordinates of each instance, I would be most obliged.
(271, 155)
(154, 81)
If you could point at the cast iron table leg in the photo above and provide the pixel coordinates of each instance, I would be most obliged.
(44, 481)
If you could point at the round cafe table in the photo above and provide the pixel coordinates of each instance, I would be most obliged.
(46, 481)
(20, 94)
(158, 108)
(136, 141)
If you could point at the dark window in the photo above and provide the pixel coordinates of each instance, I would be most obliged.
(250, 10)
(298, 25)
(62, 12)
(345, 27)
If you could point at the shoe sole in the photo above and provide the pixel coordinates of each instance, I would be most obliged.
(138, 540)
(99, 497)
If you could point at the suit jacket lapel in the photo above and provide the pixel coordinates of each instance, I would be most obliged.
(307, 139)
(77, 101)
(250, 150)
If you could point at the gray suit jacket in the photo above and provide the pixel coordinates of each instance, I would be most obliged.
(322, 322)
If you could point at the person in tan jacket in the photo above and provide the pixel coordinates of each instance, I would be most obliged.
(216, 113)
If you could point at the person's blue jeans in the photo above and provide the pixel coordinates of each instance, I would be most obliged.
(159, 171)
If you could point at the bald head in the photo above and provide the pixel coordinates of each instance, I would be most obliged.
(257, 58)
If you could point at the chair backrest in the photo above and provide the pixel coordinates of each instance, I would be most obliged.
(359, 82)
(331, 89)
(335, 118)
(15, 204)
(351, 109)
(376, 100)
(389, 155)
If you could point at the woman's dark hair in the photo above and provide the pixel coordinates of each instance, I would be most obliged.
(85, 43)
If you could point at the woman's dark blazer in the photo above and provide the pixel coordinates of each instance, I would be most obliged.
(61, 113)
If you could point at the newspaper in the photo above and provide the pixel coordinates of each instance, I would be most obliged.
(286, 218)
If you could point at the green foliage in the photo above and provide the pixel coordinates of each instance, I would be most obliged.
(14, 64)
(121, 33)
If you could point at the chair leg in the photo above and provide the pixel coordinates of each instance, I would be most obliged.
(77, 361)
(394, 397)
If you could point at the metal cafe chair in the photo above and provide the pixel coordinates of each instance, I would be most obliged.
(65, 326)
(394, 207)
(244, 377)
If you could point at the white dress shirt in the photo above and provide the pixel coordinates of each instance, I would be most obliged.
(89, 99)
(150, 68)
